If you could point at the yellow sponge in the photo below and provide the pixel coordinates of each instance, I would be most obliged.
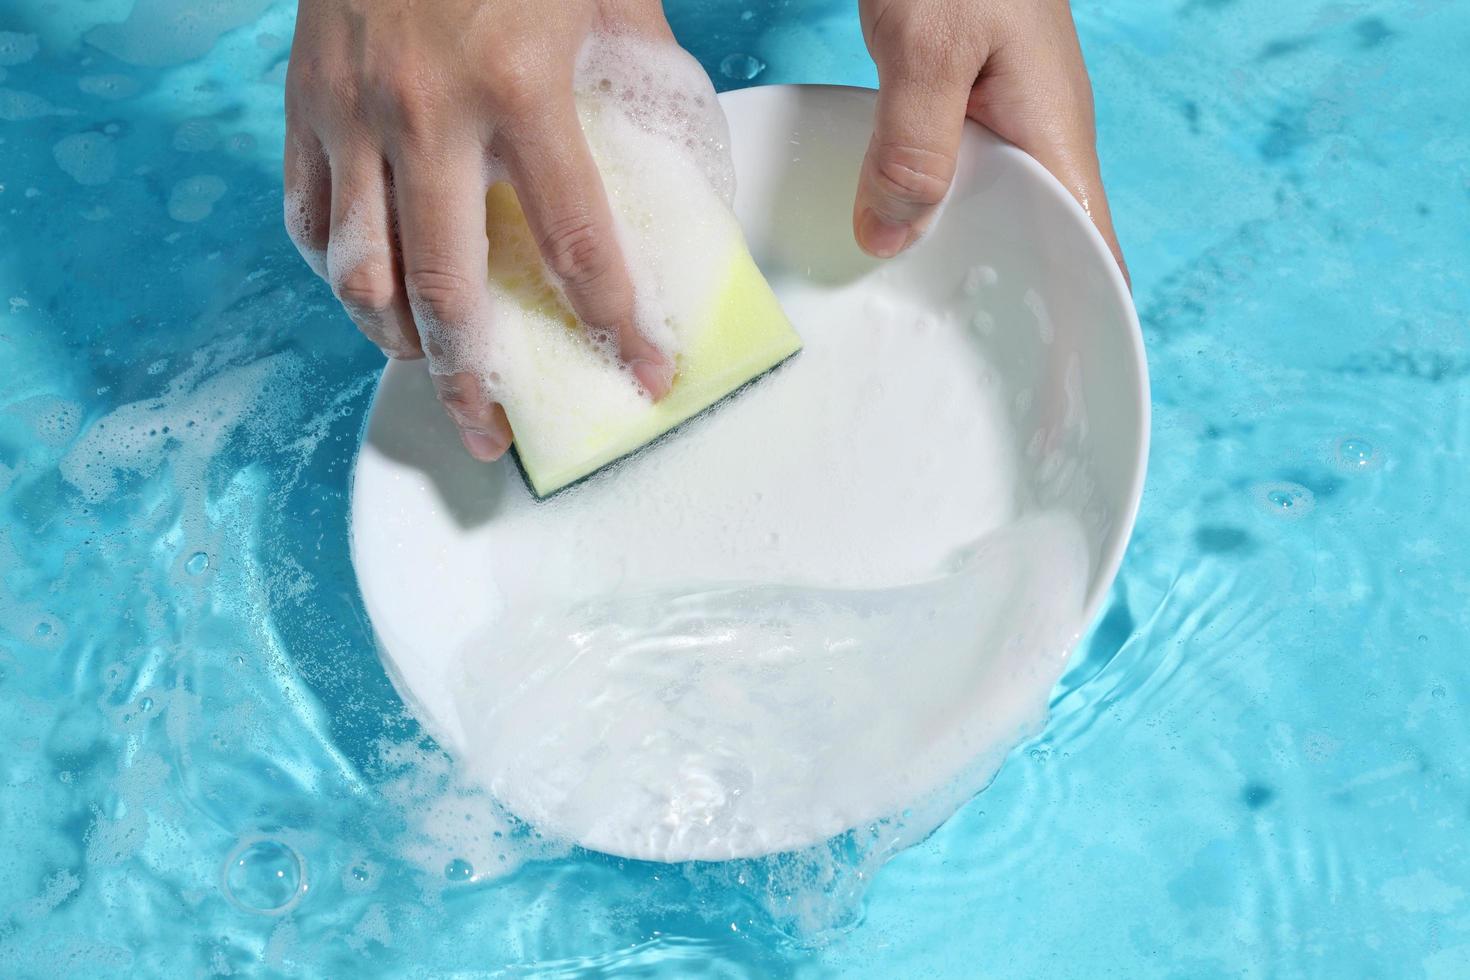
(572, 412)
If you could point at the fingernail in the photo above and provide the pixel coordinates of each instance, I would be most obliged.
(482, 445)
(656, 377)
(882, 237)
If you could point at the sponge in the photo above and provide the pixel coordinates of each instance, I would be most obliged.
(739, 333)
(701, 299)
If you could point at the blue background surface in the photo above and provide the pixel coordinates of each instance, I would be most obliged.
(1257, 765)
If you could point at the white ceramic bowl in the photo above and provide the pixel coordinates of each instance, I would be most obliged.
(443, 546)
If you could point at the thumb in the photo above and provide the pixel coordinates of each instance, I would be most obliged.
(910, 161)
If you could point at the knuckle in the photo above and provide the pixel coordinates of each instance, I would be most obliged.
(461, 398)
(305, 76)
(911, 175)
(516, 85)
(403, 91)
(574, 251)
(910, 43)
(445, 296)
(366, 288)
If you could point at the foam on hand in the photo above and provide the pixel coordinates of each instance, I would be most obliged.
(660, 140)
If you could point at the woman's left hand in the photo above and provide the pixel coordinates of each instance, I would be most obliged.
(1014, 66)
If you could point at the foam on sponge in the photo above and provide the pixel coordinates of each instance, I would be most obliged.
(661, 143)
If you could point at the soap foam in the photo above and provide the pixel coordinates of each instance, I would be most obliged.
(663, 90)
(303, 212)
(351, 244)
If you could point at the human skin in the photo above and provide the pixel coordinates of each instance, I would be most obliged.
(396, 109)
(1014, 66)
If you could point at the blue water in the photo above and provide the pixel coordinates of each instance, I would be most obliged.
(1258, 764)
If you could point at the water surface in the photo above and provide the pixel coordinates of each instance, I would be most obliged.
(1256, 764)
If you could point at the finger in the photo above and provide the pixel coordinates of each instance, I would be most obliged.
(483, 427)
(561, 192)
(1075, 164)
(911, 158)
(362, 265)
(308, 196)
(1061, 136)
(441, 222)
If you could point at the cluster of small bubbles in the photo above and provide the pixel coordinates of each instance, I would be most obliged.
(53, 420)
(741, 67)
(665, 92)
(197, 564)
(1284, 499)
(88, 158)
(1040, 754)
(264, 875)
(459, 870)
(304, 223)
(196, 136)
(16, 48)
(240, 143)
(1437, 692)
(193, 198)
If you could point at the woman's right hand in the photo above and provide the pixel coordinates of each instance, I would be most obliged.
(394, 112)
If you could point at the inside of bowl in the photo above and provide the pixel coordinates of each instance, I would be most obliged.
(1049, 311)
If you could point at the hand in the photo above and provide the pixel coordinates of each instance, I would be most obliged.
(395, 113)
(1014, 66)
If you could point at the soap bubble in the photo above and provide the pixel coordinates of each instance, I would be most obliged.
(741, 67)
(1284, 499)
(265, 876)
(1357, 455)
